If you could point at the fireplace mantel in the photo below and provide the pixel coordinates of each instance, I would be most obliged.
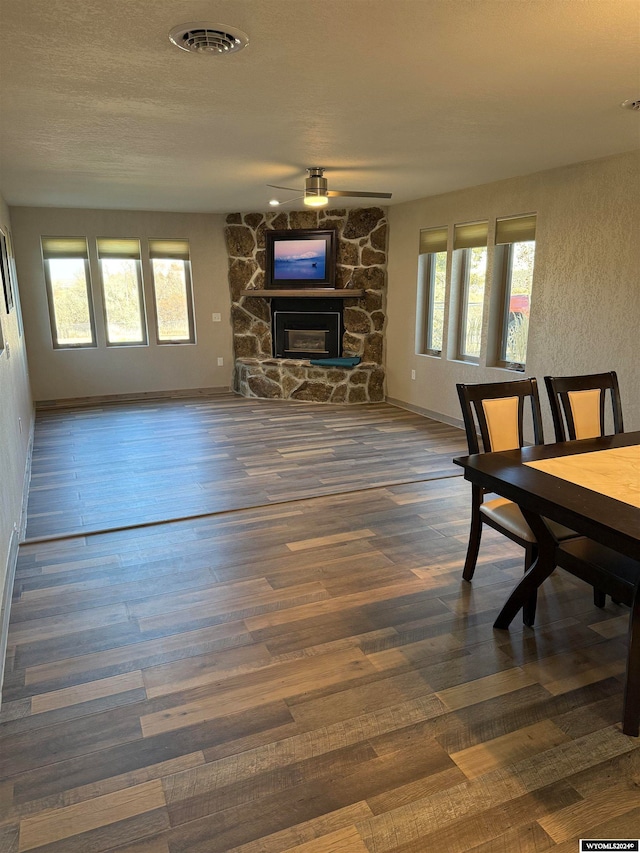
(311, 292)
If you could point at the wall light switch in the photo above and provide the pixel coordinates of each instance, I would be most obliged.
(413, 374)
(216, 318)
(220, 361)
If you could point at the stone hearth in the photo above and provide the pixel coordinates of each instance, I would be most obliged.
(290, 379)
(361, 266)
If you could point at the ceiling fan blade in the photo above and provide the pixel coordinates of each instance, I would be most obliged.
(276, 187)
(287, 201)
(358, 195)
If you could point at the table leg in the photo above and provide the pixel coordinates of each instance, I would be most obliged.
(631, 713)
(523, 595)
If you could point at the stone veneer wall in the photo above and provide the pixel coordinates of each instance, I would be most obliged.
(361, 264)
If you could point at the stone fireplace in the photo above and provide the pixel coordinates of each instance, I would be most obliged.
(275, 334)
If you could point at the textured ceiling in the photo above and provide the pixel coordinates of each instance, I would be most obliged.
(413, 97)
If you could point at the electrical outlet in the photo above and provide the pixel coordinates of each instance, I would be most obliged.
(217, 318)
(220, 361)
(413, 374)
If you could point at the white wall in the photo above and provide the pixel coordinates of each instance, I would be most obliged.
(62, 374)
(585, 309)
(16, 418)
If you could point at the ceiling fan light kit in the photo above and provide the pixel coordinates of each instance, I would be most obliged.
(313, 200)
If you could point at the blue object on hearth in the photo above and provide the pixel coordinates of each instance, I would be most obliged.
(335, 362)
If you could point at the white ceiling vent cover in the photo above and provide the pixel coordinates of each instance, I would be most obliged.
(213, 39)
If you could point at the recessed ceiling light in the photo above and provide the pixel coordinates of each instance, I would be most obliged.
(212, 39)
(274, 202)
(631, 104)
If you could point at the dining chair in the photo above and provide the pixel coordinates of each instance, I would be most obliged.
(497, 410)
(578, 404)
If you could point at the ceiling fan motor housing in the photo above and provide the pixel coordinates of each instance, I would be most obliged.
(316, 184)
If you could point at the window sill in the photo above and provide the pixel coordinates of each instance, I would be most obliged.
(510, 368)
(474, 362)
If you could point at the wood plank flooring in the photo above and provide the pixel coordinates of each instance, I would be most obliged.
(94, 469)
(305, 676)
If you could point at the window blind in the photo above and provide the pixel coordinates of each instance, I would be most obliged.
(64, 247)
(109, 247)
(516, 229)
(433, 240)
(470, 235)
(177, 250)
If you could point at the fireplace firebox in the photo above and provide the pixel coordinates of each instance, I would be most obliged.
(306, 328)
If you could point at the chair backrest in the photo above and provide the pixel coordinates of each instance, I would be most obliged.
(498, 408)
(578, 402)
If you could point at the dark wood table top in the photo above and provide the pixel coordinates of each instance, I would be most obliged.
(611, 522)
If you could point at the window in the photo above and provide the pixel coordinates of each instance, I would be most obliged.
(66, 270)
(432, 280)
(122, 291)
(515, 255)
(5, 271)
(171, 269)
(470, 247)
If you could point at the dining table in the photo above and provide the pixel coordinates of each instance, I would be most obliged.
(591, 486)
(558, 481)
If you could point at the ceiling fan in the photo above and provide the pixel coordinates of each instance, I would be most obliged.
(317, 193)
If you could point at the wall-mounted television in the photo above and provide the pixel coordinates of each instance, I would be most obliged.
(299, 258)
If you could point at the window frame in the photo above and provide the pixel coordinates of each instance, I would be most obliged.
(506, 280)
(141, 300)
(188, 284)
(428, 282)
(464, 274)
(434, 241)
(51, 299)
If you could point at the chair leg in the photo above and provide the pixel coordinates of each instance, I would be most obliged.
(631, 713)
(529, 609)
(475, 534)
(599, 598)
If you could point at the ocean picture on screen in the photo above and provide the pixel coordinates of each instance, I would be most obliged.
(299, 259)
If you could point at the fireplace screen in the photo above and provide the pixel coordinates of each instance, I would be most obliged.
(305, 340)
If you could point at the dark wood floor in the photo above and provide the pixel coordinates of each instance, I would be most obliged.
(309, 676)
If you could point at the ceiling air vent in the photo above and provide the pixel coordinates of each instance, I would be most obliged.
(631, 104)
(213, 39)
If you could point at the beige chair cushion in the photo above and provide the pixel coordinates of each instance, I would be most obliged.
(501, 416)
(585, 408)
(507, 515)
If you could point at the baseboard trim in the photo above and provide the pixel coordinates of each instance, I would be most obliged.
(427, 413)
(142, 396)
